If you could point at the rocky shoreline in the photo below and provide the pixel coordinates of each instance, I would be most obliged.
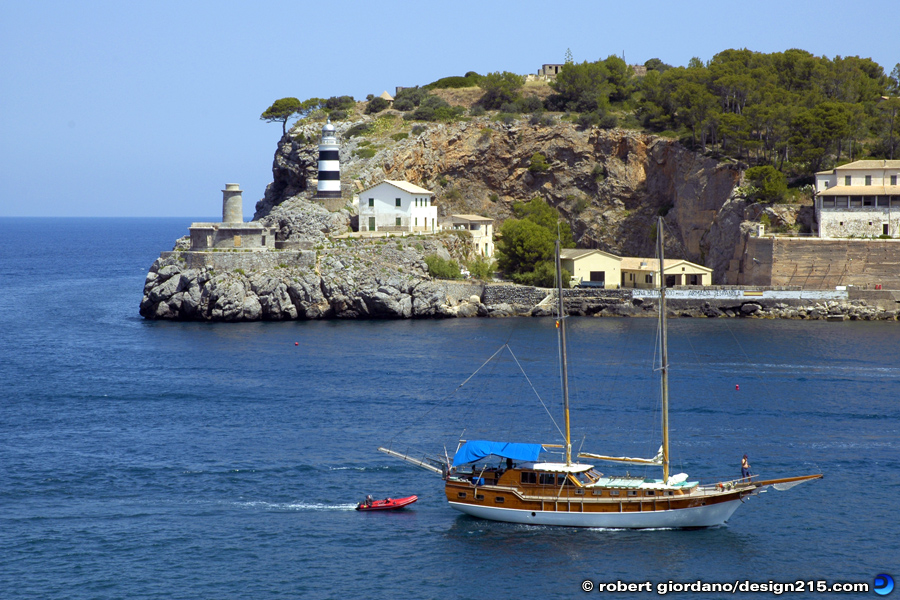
(342, 284)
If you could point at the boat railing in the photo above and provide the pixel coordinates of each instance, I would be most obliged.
(728, 484)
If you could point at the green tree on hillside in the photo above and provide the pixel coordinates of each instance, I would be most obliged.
(768, 184)
(525, 248)
(500, 88)
(285, 108)
(377, 105)
(583, 87)
(890, 111)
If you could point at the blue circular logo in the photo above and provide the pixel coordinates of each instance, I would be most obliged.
(884, 584)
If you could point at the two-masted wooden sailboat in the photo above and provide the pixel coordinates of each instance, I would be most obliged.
(526, 489)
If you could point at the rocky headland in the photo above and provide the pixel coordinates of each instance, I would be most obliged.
(610, 185)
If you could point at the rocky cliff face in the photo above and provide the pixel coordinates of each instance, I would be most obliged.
(340, 278)
(609, 184)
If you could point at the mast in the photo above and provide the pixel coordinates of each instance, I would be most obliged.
(561, 325)
(663, 351)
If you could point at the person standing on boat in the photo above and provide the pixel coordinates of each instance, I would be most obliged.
(745, 468)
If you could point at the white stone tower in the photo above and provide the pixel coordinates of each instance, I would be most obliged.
(329, 185)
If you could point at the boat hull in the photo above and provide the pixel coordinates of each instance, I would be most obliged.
(710, 515)
(387, 504)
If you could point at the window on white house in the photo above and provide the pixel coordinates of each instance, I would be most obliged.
(371, 202)
(893, 180)
(847, 180)
(397, 202)
(398, 221)
(868, 180)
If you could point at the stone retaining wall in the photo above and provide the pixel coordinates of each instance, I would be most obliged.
(246, 261)
(815, 263)
(514, 295)
(460, 290)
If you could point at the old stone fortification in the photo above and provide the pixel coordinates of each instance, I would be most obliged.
(335, 278)
(816, 263)
(244, 260)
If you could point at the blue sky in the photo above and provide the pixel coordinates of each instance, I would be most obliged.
(148, 109)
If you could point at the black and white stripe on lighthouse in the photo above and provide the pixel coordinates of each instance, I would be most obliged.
(329, 185)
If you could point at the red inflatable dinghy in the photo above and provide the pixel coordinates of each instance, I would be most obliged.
(387, 503)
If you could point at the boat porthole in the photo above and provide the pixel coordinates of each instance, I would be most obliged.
(533, 515)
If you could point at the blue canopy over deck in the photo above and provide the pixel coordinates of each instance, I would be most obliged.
(478, 449)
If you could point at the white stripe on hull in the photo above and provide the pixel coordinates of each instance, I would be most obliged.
(698, 516)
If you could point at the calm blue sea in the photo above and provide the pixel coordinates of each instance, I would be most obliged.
(164, 460)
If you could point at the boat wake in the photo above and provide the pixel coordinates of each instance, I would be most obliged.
(294, 506)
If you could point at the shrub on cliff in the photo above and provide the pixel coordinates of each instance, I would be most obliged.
(358, 129)
(500, 88)
(409, 98)
(470, 79)
(538, 163)
(442, 268)
(767, 184)
(433, 108)
(340, 103)
(481, 267)
(377, 105)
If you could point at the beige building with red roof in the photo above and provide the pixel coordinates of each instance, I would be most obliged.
(644, 273)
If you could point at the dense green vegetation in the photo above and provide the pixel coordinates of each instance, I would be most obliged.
(470, 79)
(792, 111)
(526, 246)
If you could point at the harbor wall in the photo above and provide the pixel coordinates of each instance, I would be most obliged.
(815, 263)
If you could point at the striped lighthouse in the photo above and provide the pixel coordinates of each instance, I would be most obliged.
(329, 185)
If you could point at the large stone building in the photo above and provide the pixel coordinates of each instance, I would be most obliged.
(859, 200)
(397, 206)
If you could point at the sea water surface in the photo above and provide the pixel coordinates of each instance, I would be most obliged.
(143, 459)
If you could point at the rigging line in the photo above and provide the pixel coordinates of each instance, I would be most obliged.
(536, 392)
(442, 400)
(747, 358)
(706, 381)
